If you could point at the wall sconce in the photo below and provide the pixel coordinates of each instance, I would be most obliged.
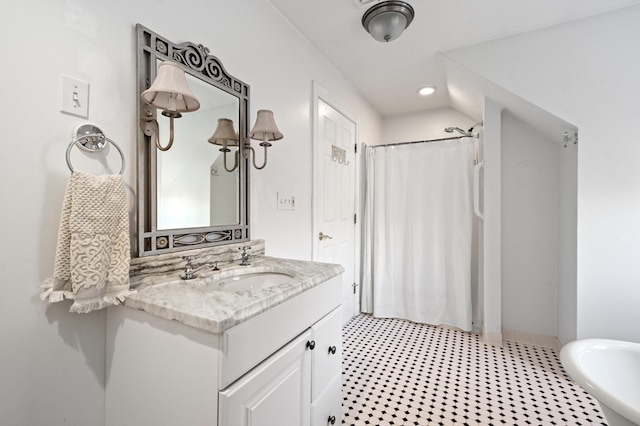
(264, 129)
(170, 93)
(226, 136)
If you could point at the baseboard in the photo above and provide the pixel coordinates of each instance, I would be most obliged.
(490, 338)
(534, 339)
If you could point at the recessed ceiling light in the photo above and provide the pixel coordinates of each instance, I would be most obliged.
(426, 91)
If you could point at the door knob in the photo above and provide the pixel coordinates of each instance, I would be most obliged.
(323, 236)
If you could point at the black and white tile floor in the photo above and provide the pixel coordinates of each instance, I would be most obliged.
(397, 372)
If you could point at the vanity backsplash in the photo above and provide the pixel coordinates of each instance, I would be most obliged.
(203, 260)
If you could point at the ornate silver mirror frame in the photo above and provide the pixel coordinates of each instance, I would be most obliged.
(199, 63)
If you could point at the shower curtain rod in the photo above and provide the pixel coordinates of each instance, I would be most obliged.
(425, 141)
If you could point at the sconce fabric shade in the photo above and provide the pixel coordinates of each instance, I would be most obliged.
(224, 134)
(170, 91)
(265, 128)
(387, 20)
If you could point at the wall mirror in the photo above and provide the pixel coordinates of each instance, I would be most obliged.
(186, 197)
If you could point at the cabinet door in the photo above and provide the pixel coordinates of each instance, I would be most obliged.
(326, 410)
(327, 354)
(276, 392)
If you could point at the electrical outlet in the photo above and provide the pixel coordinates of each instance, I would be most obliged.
(75, 97)
(286, 202)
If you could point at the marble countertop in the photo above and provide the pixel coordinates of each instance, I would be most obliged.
(192, 302)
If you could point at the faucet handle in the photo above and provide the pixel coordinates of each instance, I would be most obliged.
(189, 259)
(188, 268)
(245, 256)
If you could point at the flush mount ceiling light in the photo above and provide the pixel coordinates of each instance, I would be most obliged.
(427, 90)
(387, 20)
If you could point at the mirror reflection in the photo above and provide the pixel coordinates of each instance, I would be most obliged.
(193, 187)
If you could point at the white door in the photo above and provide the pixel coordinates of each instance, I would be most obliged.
(334, 197)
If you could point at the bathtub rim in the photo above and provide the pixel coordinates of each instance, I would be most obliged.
(570, 357)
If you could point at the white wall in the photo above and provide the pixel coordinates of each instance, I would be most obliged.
(529, 229)
(428, 124)
(491, 231)
(567, 315)
(586, 72)
(52, 362)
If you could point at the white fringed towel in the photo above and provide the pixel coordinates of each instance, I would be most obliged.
(93, 252)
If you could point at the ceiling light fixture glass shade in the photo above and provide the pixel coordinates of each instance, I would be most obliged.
(387, 20)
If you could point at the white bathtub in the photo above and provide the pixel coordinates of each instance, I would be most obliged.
(610, 371)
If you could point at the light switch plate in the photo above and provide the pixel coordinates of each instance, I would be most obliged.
(75, 97)
(286, 202)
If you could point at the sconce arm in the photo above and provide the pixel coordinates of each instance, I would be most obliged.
(253, 159)
(235, 163)
(156, 129)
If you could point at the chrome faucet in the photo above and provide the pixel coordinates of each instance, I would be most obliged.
(245, 256)
(188, 269)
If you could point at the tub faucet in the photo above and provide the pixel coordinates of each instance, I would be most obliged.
(245, 256)
(188, 269)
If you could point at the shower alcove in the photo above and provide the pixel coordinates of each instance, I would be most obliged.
(529, 233)
(524, 263)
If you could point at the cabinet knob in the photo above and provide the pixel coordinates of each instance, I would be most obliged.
(311, 344)
(332, 351)
(332, 420)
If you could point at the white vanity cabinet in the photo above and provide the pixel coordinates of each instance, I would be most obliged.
(281, 367)
(307, 369)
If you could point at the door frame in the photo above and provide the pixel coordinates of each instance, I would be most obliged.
(320, 93)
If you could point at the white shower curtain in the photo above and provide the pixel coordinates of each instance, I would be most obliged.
(417, 232)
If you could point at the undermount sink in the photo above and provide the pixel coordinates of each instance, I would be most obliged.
(249, 281)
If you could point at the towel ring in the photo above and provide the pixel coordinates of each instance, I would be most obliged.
(90, 138)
